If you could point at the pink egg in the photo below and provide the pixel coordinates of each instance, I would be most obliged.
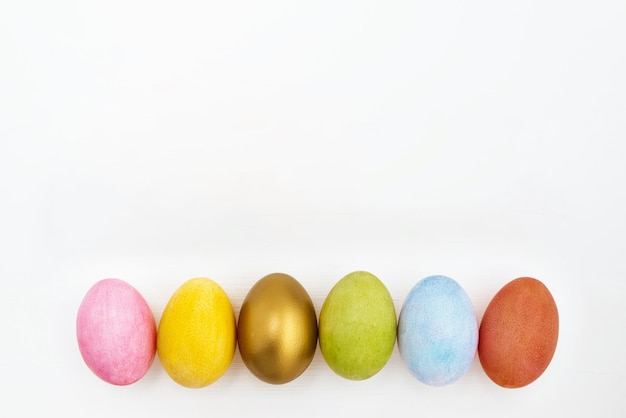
(116, 332)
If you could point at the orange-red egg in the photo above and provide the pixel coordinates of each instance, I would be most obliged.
(518, 333)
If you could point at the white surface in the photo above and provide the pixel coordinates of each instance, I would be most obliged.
(159, 141)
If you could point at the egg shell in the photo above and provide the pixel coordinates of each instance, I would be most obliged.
(277, 329)
(197, 333)
(357, 326)
(518, 333)
(437, 331)
(116, 332)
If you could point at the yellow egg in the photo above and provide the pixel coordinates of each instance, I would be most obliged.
(197, 334)
(277, 329)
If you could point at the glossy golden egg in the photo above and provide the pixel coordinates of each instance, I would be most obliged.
(277, 329)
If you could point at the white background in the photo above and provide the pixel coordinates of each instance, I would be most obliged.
(156, 141)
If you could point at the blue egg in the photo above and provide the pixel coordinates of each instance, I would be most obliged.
(437, 331)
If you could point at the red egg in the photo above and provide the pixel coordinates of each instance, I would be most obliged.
(518, 333)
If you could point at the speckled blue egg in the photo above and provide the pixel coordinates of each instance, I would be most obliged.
(437, 331)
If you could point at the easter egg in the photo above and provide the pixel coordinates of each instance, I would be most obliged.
(197, 334)
(357, 327)
(277, 329)
(437, 331)
(116, 332)
(518, 333)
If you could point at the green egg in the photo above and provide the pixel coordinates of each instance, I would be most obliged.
(357, 326)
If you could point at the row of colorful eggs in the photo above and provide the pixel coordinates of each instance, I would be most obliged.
(277, 331)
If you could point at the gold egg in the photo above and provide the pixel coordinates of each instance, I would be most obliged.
(277, 329)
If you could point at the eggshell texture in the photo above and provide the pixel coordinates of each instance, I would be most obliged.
(277, 329)
(518, 333)
(197, 333)
(437, 331)
(116, 332)
(357, 329)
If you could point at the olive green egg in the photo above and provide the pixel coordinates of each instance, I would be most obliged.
(357, 326)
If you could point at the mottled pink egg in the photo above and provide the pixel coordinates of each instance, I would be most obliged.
(116, 332)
